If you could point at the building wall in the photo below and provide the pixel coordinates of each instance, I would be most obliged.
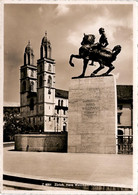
(125, 111)
(61, 111)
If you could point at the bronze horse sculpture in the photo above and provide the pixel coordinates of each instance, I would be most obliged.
(90, 51)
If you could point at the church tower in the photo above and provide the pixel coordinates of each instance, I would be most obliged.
(46, 86)
(28, 85)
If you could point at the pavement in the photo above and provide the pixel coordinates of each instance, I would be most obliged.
(111, 170)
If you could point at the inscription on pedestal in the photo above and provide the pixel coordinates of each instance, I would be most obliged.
(92, 115)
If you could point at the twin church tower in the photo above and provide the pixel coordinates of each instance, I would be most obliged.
(37, 89)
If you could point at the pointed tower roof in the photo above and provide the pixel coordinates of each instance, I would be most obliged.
(45, 41)
(29, 48)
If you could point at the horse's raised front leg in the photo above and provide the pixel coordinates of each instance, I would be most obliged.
(109, 70)
(73, 56)
(97, 70)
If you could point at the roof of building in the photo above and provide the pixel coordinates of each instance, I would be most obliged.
(61, 93)
(125, 92)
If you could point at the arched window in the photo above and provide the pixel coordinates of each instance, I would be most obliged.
(40, 81)
(24, 86)
(58, 102)
(49, 82)
(49, 91)
(32, 86)
(31, 104)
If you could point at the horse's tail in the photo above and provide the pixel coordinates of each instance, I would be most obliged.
(116, 50)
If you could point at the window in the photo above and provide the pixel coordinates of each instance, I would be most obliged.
(49, 92)
(49, 118)
(61, 102)
(120, 136)
(58, 102)
(32, 86)
(120, 107)
(64, 112)
(24, 86)
(119, 117)
(32, 104)
(57, 120)
(49, 67)
(49, 82)
(32, 73)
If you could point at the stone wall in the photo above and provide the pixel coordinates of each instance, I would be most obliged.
(56, 142)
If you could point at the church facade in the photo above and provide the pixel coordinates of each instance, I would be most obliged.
(40, 102)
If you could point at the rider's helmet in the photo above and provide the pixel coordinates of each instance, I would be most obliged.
(101, 30)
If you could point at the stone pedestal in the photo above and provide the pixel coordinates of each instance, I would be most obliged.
(92, 116)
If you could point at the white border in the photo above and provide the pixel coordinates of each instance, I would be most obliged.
(135, 83)
(2, 88)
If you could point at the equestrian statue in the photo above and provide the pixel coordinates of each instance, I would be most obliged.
(96, 52)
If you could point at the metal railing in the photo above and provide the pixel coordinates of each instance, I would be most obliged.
(125, 144)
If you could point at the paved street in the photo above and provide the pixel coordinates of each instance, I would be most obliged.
(114, 170)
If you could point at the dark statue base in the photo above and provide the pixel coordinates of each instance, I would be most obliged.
(102, 75)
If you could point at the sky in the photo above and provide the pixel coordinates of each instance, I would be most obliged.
(65, 25)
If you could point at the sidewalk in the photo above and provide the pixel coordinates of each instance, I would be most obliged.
(89, 169)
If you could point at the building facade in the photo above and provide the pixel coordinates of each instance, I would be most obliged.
(125, 118)
(40, 102)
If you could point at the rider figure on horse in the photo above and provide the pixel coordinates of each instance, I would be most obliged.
(102, 42)
(103, 39)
